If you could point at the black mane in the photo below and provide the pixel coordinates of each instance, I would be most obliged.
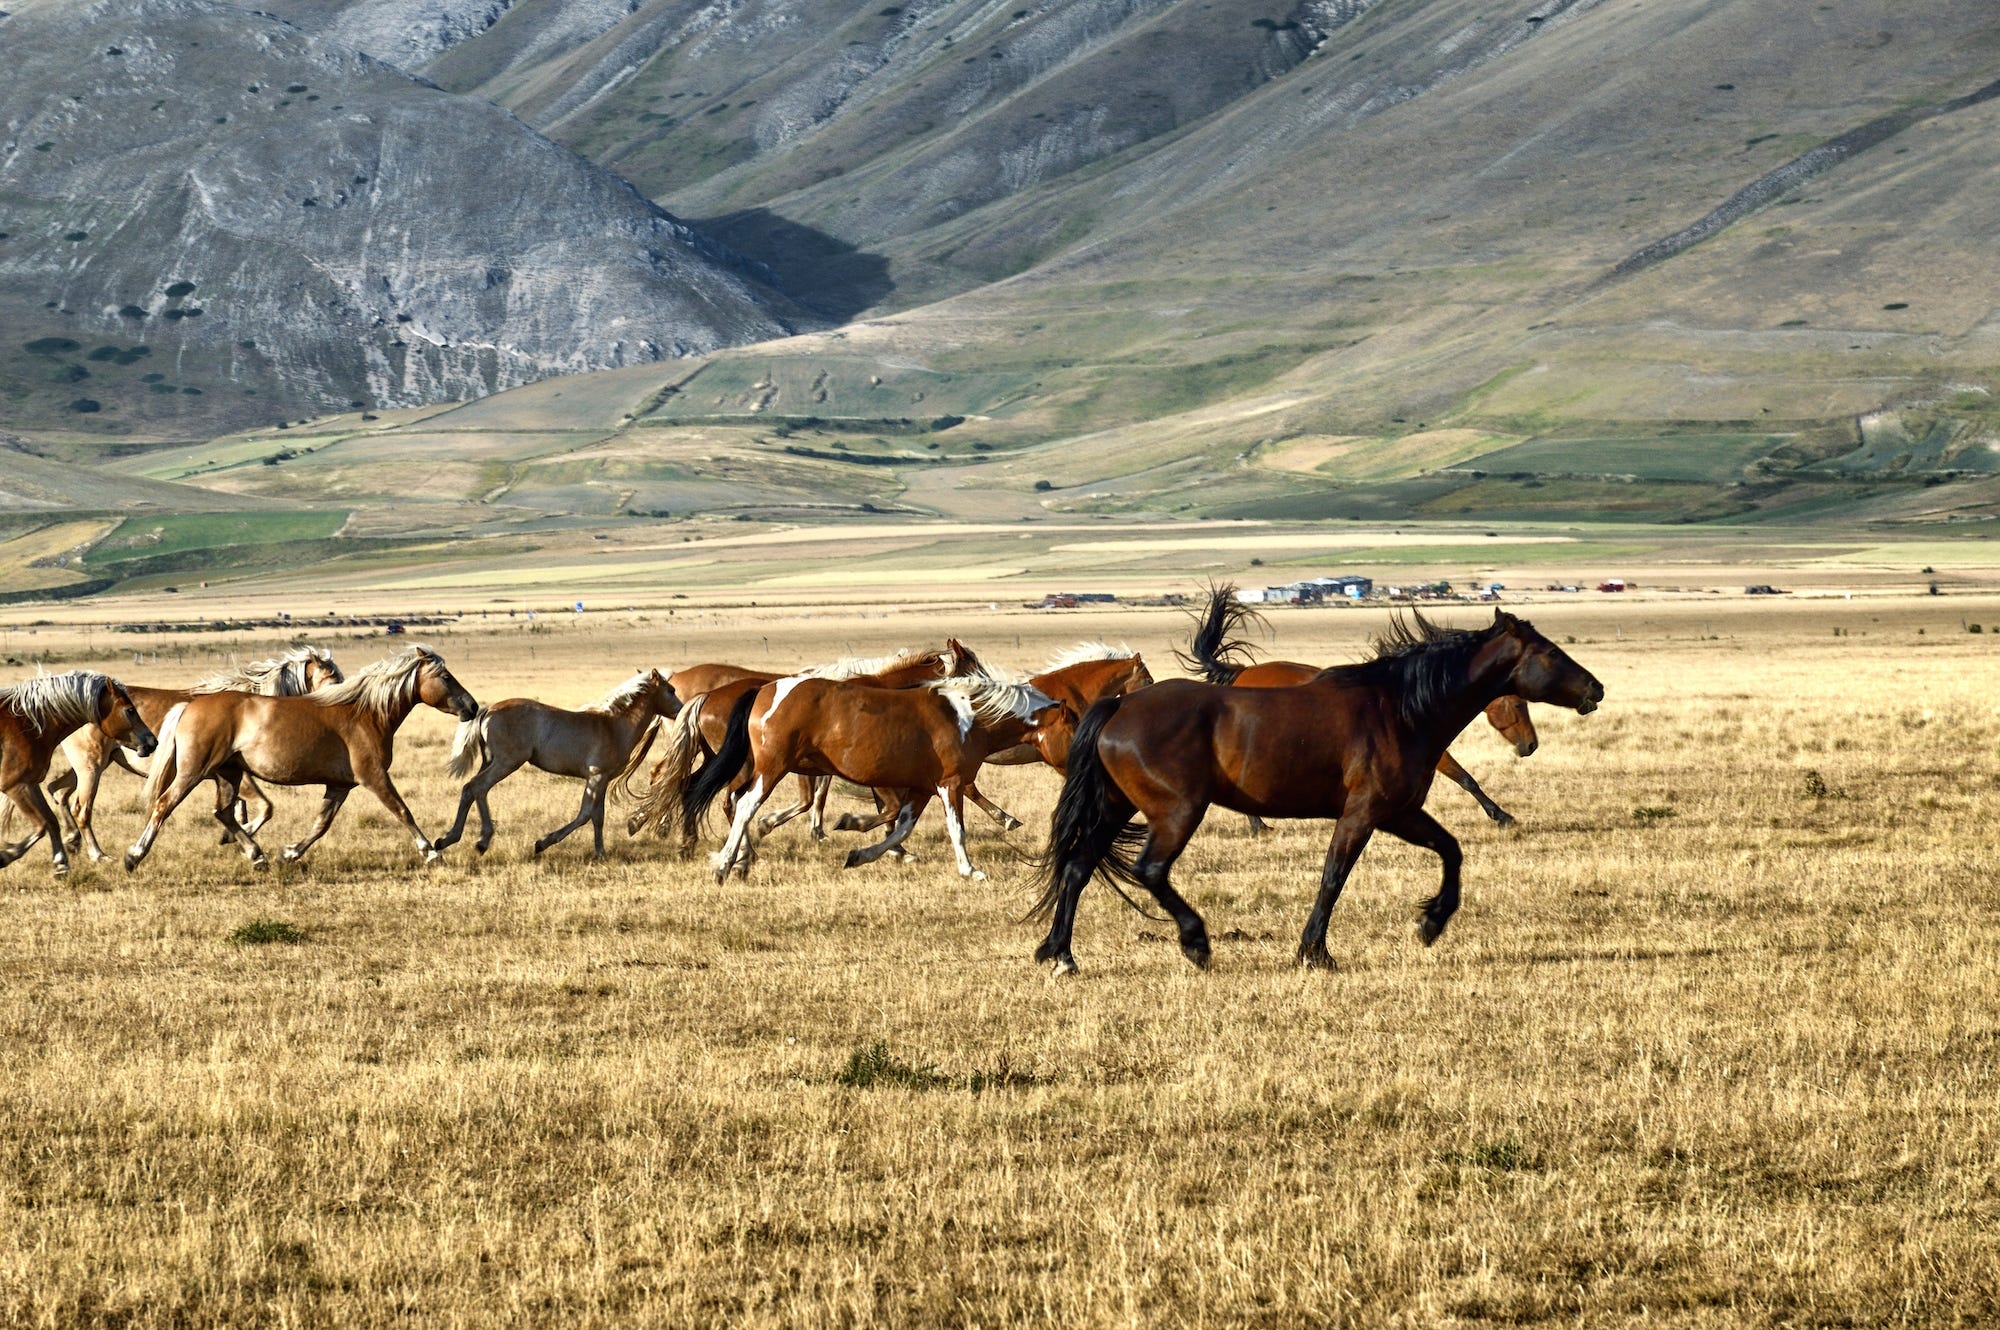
(1425, 664)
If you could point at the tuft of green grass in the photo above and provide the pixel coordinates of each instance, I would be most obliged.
(260, 932)
(1653, 814)
(876, 1065)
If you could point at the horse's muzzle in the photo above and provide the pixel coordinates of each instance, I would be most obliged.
(146, 747)
(1527, 747)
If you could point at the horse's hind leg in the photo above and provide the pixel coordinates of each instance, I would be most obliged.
(329, 804)
(474, 794)
(954, 825)
(1421, 829)
(591, 810)
(915, 801)
(253, 807)
(769, 824)
(1448, 767)
(737, 845)
(186, 777)
(1257, 827)
(1350, 838)
(83, 800)
(228, 783)
(64, 788)
(822, 787)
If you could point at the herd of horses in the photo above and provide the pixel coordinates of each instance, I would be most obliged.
(1142, 761)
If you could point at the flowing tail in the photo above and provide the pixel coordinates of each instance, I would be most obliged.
(165, 759)
(662, 800)
(1092, 831)
(718, 771)
(620, 788)
(468, 746)
(1212, 651)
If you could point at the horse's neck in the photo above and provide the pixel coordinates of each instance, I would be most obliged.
(1487, 682)
(902, 676)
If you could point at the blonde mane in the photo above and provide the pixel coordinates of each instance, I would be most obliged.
(387, 685)
(626, 695)
(854, 667)
(283, 676)
(56, 699)
(990, 697)
(1084, 651)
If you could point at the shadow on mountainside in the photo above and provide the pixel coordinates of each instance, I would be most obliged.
(820, 271)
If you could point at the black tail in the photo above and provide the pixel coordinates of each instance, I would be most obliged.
(1092, 827)
(718, 771)
(1212, 650)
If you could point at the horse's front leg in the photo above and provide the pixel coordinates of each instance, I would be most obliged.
(1421, 829)
(64, 788)
(383, 788)
(737, 848)
(86, 780)
(1350, 838)
(589, 811)
(822, 787)
(1007, 821)
(28, 798)
(329, 804)
(253, 806)
(1449, 768)
(953, 795)
(914, 803)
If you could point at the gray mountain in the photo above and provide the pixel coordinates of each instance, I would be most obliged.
(210, 216)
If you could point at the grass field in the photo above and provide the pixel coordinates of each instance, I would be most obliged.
(147, 537)
(1712, 1043)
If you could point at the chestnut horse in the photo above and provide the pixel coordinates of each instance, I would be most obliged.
(35, 717)
(91, 752)
(338, 737)
(701, 725)
(596, 745)
(1360, 743)
(1212, 651)
(914, 742)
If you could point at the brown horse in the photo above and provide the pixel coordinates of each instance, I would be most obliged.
(35, 717)
(597, 745)
(339, 737)
(1360, 743)
(699, 731)
(915, 742)
(92, 751)
(1213, 653)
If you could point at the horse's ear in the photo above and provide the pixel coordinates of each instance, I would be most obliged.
(1502, 619)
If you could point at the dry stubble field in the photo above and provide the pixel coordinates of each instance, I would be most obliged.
(1726, 1061)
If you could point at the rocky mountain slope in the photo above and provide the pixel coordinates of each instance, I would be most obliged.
(210, 216)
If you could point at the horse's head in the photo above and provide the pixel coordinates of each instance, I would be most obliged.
(436, 688)
(1509, 715)
(1541, 671)
(118, 716)
(660, 695)
(1137, 677)
(959, 660)
(319, 671)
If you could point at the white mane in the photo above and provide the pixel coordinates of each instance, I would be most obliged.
(383, 686)
(1084, 651)
(284, 676)
(990, 697)
(627, 694)
(854, 667)
(58, 699)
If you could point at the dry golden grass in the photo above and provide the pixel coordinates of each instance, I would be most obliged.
(1732, 1065)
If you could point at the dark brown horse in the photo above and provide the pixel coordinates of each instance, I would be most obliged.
(339, 738)
(1214, 653)
(1360, 744)
(35, 717)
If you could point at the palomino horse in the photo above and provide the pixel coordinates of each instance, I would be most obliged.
(1078, 678)
(1360, 743)
(1212, 651)
(35, 717)
(916, 742)
(597, 745)
(338, 737)
(700, 728)
(91, 751)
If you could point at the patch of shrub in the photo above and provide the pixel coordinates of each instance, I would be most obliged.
(131, 312)
(943, 423)
(86, 406)
(179, 289)
(1042, 485)
(74, 236)
(1653, 814)
(51, 346)
(876, 1065)
(1816, 786)
(71, 374)
(262, 932)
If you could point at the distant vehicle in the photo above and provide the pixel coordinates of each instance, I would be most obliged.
(393, 629)
(1765, 589)
(1057, 600)
(1612, 584)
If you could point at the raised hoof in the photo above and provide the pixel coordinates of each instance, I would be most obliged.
(291, 854)
(432, 858)
(1011, 823)
(131, 861)
(1429, 930)
(260, 865)
(481, 847)
(539, 847)
(976, 875)
(1197, 953)
(633, 823)
(853, 858)
(74, 844)
(1502, 817)
(849, 822)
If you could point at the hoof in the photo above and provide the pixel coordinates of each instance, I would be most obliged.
(1502, 817)
(61, 870)
(260, 865)
(1316, 958)
(975, 876)
(849, 822)
(431, 856)
(633, 823)
(291, 854)
(1197, 953)
(853, 858)
(1429, 930)
(481, 847)
(539, 847)
(131, 861)
(1064, 967)
(1011, 823)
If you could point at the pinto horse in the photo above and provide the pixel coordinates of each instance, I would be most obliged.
(92, 751)
(35, 717)
(702, 723)
(1359, 743)
(597, 745)
(913, 742)
(1213, 651)
(338, 737)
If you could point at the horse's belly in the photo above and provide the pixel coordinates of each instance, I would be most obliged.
(271, 758)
